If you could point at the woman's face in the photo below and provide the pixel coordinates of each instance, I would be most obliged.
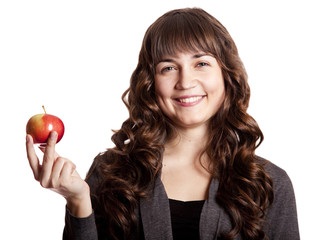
(189, 88)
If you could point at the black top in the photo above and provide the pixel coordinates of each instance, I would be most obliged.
(185, 218)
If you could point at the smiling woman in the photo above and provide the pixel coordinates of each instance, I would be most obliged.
(189, 88)
(184, 163)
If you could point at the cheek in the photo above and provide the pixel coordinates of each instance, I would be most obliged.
(221, 97)
(217, 89)
(221, 92)
(161, 90)
(163, 96)
(215, 84)
(160, 95)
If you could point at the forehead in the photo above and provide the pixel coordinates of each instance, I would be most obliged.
(182, 49)
(170, 38)
(184, 55)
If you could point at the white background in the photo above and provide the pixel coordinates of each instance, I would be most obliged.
(76, 58)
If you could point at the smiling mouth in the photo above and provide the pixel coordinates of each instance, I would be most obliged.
(188, 101)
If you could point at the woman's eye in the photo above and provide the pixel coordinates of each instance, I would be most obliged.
(202, 64)
(167, 69)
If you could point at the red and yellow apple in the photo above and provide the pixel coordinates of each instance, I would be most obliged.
(40, 126)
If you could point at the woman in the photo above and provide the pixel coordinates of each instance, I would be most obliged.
(184, 165)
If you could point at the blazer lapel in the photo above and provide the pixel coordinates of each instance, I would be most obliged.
(210, 215)
(155, 214)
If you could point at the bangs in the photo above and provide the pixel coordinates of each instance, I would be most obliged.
(180, 32)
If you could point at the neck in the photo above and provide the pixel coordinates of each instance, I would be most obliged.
(187, 144)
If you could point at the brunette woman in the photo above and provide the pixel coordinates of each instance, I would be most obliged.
(184, 165)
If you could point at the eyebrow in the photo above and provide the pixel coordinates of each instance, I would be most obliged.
(198, 55)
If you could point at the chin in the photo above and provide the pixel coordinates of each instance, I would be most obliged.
(192, 124)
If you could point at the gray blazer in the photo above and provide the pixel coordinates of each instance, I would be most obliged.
(155, 220)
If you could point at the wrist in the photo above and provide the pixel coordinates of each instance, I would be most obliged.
(80, 206)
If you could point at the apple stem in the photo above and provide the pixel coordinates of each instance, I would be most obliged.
(44, 109)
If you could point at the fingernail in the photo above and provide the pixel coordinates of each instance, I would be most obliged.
(53, 135)
(42, 146)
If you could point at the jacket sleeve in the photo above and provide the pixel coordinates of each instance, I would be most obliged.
(79, 228)
(282, 220)
(83, 228)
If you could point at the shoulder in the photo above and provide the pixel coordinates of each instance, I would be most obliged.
(107, 163)
(278, 175)
(98, 161)
(281, 216)
(102, 159)
(95, 174)
(284, 197)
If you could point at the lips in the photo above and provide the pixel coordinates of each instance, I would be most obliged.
(189, 100)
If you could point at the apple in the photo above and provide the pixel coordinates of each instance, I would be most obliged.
(40, 126)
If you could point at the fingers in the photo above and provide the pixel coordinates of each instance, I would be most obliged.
(48, 160)
(32, 157)
(61, 172)
(43, 149)
(49, 151)
(67, 170)
(56, 173)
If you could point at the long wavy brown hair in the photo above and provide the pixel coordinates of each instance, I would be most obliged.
(130, 168)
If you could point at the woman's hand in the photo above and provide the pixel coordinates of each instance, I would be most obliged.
(59, 174)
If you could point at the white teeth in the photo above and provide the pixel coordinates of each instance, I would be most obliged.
(189, 100)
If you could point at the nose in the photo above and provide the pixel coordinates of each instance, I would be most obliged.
(186, 80)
